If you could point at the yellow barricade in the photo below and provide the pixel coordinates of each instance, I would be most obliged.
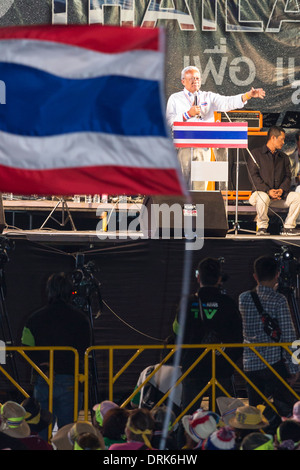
(137, 351)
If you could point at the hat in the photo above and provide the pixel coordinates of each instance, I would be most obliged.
(248, 417)
(200, 424)
(257, 441)
(221, 439)
(65, 437)
(102, 408)
(12, 416)
(227, 407)
(37, 418)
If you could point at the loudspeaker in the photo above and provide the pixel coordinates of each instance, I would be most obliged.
(255, 140)
(152, 222)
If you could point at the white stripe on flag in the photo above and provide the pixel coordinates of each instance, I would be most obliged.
(37, 153)
(75, 62)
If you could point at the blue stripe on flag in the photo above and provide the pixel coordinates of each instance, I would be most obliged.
(42, 104)
(210, 135)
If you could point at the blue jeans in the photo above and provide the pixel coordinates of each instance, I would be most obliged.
(63, 399)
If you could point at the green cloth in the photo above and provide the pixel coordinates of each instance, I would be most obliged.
(27, 337)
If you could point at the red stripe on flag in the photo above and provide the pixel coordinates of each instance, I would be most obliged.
(210, 124)
(210, 145)
(107, 39)
(90, 180)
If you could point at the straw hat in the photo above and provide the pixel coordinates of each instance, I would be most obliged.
(65, 437)
(227, 407)
(12, 417)
(248, 417)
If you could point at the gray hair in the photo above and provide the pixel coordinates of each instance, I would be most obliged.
(186, 69)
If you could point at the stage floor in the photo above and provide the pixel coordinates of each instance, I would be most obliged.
(58, 219)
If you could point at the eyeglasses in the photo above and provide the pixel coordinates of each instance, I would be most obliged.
(194, 79)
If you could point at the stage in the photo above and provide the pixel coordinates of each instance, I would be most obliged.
(140, 278)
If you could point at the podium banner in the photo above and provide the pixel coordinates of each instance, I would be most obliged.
(210, 134)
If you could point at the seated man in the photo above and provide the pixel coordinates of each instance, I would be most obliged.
(270, 175)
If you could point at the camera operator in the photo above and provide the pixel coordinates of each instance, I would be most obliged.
(58, 323)
(266, 275)
(212, 317)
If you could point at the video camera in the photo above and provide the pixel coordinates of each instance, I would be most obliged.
(289, 268)
(86, 291)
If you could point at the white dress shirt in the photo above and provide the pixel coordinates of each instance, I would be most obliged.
(179, 103)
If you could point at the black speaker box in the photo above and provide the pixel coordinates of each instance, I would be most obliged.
(255, 140)
(215, 220)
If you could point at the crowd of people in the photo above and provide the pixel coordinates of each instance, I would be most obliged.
(237, 426)
(211, 317)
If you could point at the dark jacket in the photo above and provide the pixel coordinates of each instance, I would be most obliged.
(58, 324)
(274, 171)
(221, 321)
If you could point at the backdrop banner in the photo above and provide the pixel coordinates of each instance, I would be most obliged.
(235, 43)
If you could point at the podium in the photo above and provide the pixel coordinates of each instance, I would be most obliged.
(221, 135)
(213, 135)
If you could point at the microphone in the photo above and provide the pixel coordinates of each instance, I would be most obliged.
(195, 99)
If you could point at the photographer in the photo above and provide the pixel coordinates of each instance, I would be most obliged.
(266, 275)
(61, 324)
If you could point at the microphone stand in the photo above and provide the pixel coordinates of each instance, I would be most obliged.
(236, 226)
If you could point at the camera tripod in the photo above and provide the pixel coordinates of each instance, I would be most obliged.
(86, 282)
(290, 294)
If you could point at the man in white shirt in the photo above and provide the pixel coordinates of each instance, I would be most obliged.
(192, 104)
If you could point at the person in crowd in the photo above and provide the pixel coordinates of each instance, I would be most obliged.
(99, 412)
(13, 426)
(59, 323)
(211, 317)
(296, 412)
(159, 415)
(257, 441)
(113, 427)
(194, 105)
(266, 273)
(227, 407)
(247, 419)
(159, 383)
(270, 174)
(66, 437)
(139, 430)
(288, 435)
(87, 441)
(221, 439)
(38, 420)
(198, 427)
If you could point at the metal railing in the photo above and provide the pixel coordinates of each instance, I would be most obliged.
(137, 351)
(49, 379)
(204, 349)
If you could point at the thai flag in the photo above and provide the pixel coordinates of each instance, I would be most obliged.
(84, 112)
(211, 134)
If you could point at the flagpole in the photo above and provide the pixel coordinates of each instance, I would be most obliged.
(185, 293)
